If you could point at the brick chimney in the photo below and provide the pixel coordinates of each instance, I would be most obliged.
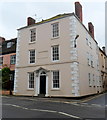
(30, 21)
(78, 10)
(91, 29)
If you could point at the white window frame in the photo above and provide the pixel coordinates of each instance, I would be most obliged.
(52, 53)
(94, 82)
(88, 40)
(53, 31)
(92, 62)
(30, 56)
(9, 44)
(29, 81)
(53, 88)
(88, 58)
(33, 35)
(89, 79)
(13, 59)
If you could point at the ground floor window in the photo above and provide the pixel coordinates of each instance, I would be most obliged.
(56, 79)
(89, 77)
(12, 59)
(31, 80)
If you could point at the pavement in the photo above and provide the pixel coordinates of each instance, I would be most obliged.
(89, 108)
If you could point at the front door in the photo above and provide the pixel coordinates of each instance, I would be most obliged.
(43, 84)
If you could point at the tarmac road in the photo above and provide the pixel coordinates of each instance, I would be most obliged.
(28, 107)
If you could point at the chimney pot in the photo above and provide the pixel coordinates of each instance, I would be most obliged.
(91, 29)
(78, 10)
(30, 21)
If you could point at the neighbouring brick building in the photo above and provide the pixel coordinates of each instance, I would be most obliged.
(102, 68)
(8, 55)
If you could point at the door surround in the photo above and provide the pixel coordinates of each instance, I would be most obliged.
(42, 83)
(40, 72)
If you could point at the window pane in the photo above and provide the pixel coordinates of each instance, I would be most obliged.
(55, 30)
(33, 35)
(31, 80)
(12, 59)
(32, 56)
(55, 79)
(55, 52)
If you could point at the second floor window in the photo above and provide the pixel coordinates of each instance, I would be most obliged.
(9, 44)
(55, 30)
(56, 79)
(55, 53)
(12, 59)
(33, 35)
(32, 56)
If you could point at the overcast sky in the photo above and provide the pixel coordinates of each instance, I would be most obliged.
(13, 15)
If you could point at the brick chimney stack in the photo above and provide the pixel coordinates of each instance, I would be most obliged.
(78, 10)
(91, 29)
(30, 21)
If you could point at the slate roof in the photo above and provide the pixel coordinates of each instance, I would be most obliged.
(4, 50)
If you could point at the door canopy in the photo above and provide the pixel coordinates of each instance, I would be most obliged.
(41, 71)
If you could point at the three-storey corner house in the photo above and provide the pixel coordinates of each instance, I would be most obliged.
(57, 57)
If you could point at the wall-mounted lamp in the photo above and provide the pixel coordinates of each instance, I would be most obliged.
(75, 41)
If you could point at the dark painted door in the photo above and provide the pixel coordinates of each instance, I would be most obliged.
(42, 84)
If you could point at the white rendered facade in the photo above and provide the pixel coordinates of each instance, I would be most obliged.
(67, 75)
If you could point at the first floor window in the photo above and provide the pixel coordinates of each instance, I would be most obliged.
(1, 60)
(56, 79)
(32, 56)
(89, 77)
(55, 52)
(92, 62)
(31, 80)
(12, 59)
